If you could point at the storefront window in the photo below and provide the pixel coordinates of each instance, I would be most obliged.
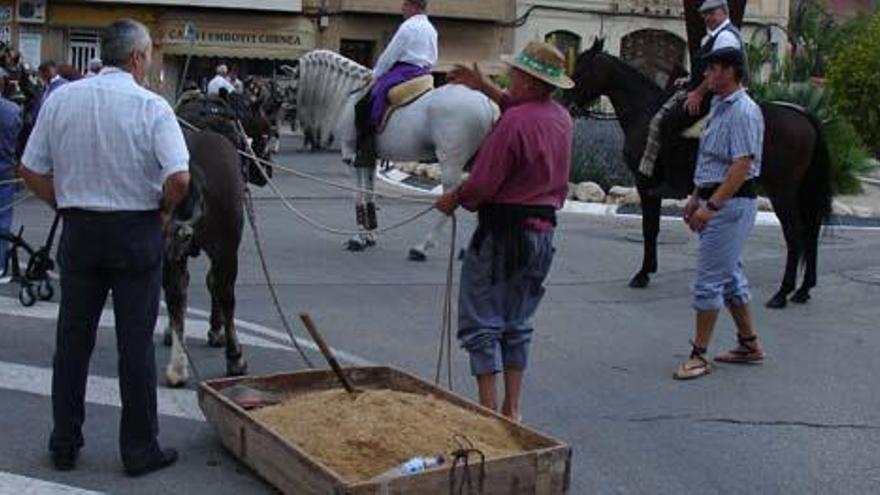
(84, 46)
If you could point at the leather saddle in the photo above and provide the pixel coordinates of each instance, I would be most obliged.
(405, 93)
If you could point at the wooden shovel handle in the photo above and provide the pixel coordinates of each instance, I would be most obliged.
(325, 350)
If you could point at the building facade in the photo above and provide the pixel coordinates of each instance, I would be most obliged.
(469, 31)
(650, 34)
(253, 37)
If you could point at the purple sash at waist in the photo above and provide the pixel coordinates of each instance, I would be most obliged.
(400, 73)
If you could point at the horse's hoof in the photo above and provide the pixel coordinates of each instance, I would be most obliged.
(175, 379)
(166, 339)
(355, 246)
(216, 339)
(801, 296)
(236, 368)
(416, 255)
(777, 302)
(640, 281)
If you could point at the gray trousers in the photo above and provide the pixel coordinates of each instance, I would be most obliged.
(495, 308)
(720, 279)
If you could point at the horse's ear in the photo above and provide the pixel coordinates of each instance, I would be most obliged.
(598, 45)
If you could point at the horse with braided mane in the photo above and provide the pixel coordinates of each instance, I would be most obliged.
(445, 125)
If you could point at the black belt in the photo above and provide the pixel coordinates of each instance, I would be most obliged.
(98, 215)
(747, 190)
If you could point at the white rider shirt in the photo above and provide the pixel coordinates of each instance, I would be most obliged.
(415, 42)
(109, 144)
(219, 82)
(725, 39)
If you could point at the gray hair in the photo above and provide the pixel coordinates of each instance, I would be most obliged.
(95, 64)
(122, 38)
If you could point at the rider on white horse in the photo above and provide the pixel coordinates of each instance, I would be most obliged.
(411, 53)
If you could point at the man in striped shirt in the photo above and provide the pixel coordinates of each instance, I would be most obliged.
(722, 211)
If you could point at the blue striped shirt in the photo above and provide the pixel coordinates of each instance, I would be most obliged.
(735, 130)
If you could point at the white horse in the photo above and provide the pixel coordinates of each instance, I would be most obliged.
(446, 125)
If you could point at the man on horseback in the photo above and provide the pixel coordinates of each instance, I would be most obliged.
(411, 53)
(691, 102)
(722, 210)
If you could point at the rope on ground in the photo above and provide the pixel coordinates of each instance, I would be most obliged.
(446, 320)
(17, 202)
(252, 220)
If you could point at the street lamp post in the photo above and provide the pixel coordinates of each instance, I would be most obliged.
(189, 34)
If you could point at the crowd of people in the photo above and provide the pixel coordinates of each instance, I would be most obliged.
(518, 181)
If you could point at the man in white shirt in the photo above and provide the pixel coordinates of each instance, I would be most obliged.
(411, 53)
(95, 66)
(691, 102)
(220, 81)
(49, 74)
(111, 157)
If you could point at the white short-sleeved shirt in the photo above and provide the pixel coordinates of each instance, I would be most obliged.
(109, 143)
(415, 42)
(219, 82)
(725, 39)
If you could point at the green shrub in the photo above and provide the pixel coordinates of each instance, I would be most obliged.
(854, 76)
(849, 156)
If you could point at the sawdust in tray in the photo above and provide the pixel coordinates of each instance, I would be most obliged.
(362, 436)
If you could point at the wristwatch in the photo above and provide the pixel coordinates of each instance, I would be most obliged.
(712, 206)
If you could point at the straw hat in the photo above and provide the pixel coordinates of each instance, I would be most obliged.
(541, 61)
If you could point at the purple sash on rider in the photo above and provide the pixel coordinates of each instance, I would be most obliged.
(400, 73)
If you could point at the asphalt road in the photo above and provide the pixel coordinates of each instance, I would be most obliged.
(806, 421)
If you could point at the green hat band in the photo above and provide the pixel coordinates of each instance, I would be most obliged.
(538, 66)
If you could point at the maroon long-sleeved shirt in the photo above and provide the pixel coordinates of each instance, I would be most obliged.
(525, 160)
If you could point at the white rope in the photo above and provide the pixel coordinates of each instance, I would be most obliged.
(17, 202)
(259, 162)
(320, 180)
(7, 182)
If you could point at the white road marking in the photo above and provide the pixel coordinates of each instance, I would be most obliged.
(195, 329)
(278, 334)
(14, 484)
(178, 403)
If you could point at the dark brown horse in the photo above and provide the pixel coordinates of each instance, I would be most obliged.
(795, 175)
(209, 220)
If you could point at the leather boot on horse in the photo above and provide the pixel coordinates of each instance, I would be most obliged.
(364, 169)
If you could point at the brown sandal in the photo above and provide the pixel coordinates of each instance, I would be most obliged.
(696, 366)
(747, 352)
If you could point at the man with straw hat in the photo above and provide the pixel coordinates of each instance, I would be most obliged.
(518, 181)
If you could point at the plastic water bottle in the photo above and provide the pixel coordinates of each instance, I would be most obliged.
(413, 466)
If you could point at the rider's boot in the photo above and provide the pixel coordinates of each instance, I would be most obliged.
(366, 139)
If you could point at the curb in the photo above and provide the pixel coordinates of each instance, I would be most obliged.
(409, 182)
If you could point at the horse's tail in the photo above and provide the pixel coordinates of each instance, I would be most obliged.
(815, 193)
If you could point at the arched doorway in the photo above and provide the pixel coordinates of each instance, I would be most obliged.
(568, 43)
(658, 54)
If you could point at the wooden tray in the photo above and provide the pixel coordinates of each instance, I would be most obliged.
(542, 471)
